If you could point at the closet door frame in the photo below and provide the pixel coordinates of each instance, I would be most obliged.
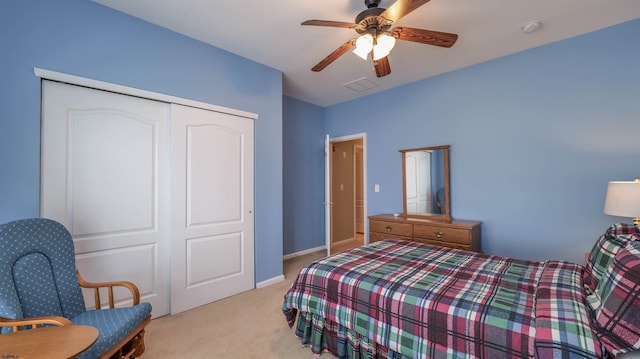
(131, 91)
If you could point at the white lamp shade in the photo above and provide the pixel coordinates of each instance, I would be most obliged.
(384, 44)
(623, 199)
(364, 44)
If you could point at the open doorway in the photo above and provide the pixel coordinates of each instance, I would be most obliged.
(347, 194)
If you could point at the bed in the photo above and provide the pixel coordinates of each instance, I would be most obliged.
(401, 299)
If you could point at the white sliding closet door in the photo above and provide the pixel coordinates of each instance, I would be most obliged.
(105, 177)
(156, 193)
(212, 206)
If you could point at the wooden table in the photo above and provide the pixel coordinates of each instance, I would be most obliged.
(48, 342)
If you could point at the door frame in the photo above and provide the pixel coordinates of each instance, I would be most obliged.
(355, 189)
(132, 91)
(328, 170)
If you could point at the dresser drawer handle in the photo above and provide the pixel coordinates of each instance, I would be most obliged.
(439, 234)
(388, 228)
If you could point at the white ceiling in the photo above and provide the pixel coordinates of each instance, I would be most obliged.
(269, 32)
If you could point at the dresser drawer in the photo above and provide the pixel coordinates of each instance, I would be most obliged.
(441, 233)
(391, 228)
(455, 234)
(466, 247)
(377, 236)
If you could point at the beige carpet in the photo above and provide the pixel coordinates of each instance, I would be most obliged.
(247, 325)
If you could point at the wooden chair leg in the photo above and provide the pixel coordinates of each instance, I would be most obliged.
(138, 344)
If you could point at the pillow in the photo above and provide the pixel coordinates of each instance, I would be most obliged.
(616, 302)
(604, 250)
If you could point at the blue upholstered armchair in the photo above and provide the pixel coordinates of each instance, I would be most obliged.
(39, 285)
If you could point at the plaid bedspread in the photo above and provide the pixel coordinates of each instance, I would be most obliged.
(424, 301)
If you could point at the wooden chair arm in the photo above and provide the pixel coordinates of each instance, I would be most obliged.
(109, 286)
(34, 322)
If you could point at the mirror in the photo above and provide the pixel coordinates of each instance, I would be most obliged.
(425, 183)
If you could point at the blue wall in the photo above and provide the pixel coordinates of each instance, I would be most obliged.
(85, 39)
(303, 156)
(534, 136)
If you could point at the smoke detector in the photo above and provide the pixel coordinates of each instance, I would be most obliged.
(531, 26)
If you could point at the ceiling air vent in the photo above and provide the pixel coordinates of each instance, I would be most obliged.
(360, 85)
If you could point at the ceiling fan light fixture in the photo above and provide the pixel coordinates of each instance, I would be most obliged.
(383, 46)
(364, 45)
(376, 35)
(363, 54)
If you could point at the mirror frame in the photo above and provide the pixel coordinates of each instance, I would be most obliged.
(446, 216)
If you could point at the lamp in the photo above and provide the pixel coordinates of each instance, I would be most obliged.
(384, 44)
(364, 45)
(381, 45)
(623, 199)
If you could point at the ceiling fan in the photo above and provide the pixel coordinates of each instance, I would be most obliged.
(377, 37)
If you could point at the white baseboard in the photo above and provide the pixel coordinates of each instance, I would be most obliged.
(280, 278)
(301, 253)
(271, 281)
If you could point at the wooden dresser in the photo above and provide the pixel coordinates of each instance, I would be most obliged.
(456, 234)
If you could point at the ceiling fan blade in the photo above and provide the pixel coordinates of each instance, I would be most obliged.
(401, 8)
(382, 66)
(334, 55)
(443, 39)
(347, 25)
